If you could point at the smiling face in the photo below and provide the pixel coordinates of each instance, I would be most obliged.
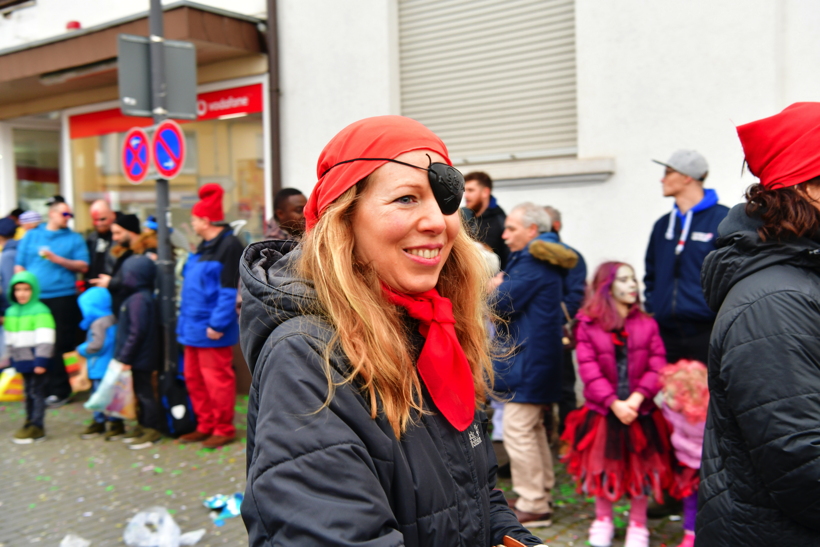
(625, 286)
(398, 227)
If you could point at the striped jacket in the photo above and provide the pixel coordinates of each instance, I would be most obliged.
(29, 327)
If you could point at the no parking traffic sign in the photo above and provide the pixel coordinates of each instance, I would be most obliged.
(136, 155)
(168, 148)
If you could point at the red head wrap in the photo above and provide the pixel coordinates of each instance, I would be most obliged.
(784, 150)
(379, 137)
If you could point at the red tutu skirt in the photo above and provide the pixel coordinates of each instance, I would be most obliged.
(685, 481)
(609, 459)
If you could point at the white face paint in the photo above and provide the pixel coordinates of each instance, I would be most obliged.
(625, 286)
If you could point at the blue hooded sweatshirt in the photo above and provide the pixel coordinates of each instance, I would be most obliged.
(99, 321)
(673, 262)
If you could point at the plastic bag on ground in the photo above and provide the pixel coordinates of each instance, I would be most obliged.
(72, 540)
(105, 392)
(155, 527)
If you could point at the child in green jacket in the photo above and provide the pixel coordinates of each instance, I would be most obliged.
(30, 338)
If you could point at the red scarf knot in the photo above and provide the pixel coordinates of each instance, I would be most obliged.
(442, 365)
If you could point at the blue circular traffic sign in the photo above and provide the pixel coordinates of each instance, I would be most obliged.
(136, 155)
(168, 148)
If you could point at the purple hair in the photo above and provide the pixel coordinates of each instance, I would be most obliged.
(599, 304)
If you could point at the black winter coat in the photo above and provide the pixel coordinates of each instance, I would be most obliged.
(760, 476)
(334, 475)
(137, 341)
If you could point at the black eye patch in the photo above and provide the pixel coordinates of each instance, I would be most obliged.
(446, 182)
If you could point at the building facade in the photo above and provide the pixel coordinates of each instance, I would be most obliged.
(563, 102)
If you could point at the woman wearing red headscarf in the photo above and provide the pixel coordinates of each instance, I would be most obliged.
(370, 358)
(760, 476)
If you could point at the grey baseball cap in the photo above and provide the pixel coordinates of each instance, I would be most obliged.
(688, 162)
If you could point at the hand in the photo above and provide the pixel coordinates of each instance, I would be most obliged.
(101, 281)
(48, 254)
(623, 412)
(18, 269)
(495, 281)
(39, 370)
(125, 367)
(635, 401)
(213, 335)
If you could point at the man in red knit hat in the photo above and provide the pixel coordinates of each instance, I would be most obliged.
(208, 324)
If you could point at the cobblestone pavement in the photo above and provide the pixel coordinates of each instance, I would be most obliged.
(92, 488)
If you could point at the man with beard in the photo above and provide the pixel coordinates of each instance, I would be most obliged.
(488, 222)
(127, 239)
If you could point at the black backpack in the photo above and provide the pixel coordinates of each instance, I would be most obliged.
(179, 414)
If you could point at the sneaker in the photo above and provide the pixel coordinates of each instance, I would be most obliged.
(636, 535)
(215, 441)
(148, 439)
(688, 539)
(193, 437)
(533, 520)
(116, 430)
(601, 533)
(96, 429)
(133, 435)
(29, 434)
(52, 401)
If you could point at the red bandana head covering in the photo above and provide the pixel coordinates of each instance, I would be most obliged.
(784, 149)
(379, 137)
(442, 365)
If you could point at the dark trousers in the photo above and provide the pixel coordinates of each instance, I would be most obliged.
(35, 386)
(568, 401)
(691, 344)
(67, 317)
(148, 413)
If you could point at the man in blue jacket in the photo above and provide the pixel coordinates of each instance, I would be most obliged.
(55, 254)
(575, 286)
(208, 324)
(529, 296)
(679, 243)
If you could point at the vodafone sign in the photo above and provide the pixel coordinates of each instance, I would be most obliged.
(210, 106)
(227, 102)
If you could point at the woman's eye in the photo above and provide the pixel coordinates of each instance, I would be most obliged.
(406, 200)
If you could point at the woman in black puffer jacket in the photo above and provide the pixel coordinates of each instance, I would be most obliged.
(369, 352)
(760, 477)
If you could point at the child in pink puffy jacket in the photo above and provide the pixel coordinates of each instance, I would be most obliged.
(619, 441)
(686, 398)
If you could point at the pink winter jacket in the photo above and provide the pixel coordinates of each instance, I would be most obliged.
(599, 370)
(687, 438)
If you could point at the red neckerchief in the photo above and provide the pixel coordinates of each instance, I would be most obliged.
(619, 338)
(442, 365)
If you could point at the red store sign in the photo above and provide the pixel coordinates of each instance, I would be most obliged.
(231, 102)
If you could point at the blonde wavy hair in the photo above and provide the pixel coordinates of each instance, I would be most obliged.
(372, 333)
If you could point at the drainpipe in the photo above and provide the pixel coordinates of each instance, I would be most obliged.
(273, 100)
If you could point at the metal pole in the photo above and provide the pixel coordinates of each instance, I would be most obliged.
(165, 262)
(273, 100)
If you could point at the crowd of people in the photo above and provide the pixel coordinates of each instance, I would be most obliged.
(382, 324)
(97, 295)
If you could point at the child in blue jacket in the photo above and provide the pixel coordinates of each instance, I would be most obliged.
(98, 349)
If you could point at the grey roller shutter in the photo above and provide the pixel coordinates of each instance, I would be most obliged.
(494, 79)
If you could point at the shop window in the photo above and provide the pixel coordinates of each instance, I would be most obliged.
(37, 167)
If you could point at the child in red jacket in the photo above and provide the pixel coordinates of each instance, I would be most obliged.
(619, 441)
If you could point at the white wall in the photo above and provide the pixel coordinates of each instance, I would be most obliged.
(48, 17)
(338, 64)
(657, 76)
